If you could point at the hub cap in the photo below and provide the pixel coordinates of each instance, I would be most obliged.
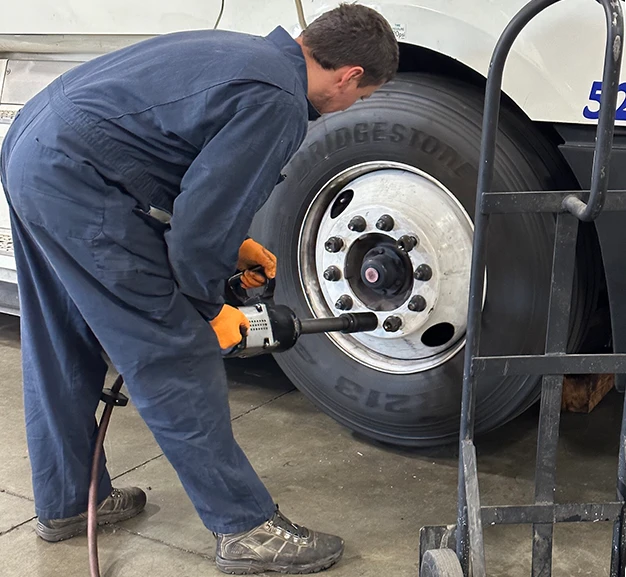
(400, 245)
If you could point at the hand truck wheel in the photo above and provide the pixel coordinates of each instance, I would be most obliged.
(441, 563)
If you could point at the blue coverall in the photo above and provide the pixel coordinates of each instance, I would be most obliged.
(199, 125)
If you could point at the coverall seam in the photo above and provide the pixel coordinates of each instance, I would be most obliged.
(70, 235)
(188, 282)
(290, 107)
(191, 95)
(79, 120)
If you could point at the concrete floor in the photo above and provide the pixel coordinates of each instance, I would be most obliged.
(376, 497)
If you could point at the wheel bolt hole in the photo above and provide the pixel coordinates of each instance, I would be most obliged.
(438, 335)
(341, 203)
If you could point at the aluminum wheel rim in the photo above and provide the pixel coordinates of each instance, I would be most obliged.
(420, 206)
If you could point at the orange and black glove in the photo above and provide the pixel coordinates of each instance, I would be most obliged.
(252, 254)
(230, 326)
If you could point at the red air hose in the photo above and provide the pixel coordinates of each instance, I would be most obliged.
(111, 397)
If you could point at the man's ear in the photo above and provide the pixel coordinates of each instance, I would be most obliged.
(351, 74)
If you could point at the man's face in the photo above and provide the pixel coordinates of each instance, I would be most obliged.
(342, 90)
(342, 100)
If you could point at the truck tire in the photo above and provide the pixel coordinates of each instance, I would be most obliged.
(411, 152)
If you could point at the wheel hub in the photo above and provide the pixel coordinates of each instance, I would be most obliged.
(383, 270)
(377, 272)
(388, 238)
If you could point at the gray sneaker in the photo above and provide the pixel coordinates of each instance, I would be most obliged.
(277, 545)
(120, 505)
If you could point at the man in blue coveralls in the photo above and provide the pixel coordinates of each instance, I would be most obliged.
(132, 181)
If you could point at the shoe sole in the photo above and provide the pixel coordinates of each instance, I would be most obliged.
(245, 567)
(63, 533)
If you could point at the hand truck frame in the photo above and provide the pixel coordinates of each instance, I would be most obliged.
(458, 550)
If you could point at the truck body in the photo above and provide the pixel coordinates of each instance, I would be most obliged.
(552, 88)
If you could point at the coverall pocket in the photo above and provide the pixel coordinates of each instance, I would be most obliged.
(142, 281)
(131, 257)
(63, 196)
(59, 215)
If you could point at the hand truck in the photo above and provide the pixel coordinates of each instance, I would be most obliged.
(458, 550)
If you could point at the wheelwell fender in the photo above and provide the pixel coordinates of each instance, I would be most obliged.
(550, 68)
(470, 46)
(420, 59)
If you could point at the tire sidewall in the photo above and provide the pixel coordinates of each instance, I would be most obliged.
(367, 400)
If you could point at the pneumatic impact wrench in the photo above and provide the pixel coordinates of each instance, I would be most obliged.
(273, 328)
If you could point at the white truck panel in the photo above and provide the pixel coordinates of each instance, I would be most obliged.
(550, 73)
(260, 18)
(6, 116)
(107, 16)
(25, 78)
(140, 17)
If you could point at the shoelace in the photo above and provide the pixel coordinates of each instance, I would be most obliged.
(286, 525)
(280, 521)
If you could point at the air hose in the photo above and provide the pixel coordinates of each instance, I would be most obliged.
(112, 398)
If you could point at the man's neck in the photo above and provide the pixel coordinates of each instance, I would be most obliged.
(314, 72)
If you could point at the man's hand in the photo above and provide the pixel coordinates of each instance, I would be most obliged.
(230, 325)
(252, 254)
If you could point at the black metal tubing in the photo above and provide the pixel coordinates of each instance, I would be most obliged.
(481, 224)
(558, 364)
(551, 513)
(544, 201)
(618, 549)
(484, 185)
(606, 121)
(474, 521)
(562, 280)
(563, 265)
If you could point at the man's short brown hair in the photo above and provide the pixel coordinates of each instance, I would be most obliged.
(354, 35)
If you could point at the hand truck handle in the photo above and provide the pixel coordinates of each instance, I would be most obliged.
(587, 212)
(606, 123)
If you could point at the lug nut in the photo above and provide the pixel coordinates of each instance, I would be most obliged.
(392, 324)
(417, 304)
(357, 224)
(344, 303)
(332, 273)
(423, 272)
(407, 242)
(385, 222)
(333, 244)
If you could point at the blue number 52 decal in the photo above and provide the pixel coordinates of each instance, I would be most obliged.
(594, 96)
